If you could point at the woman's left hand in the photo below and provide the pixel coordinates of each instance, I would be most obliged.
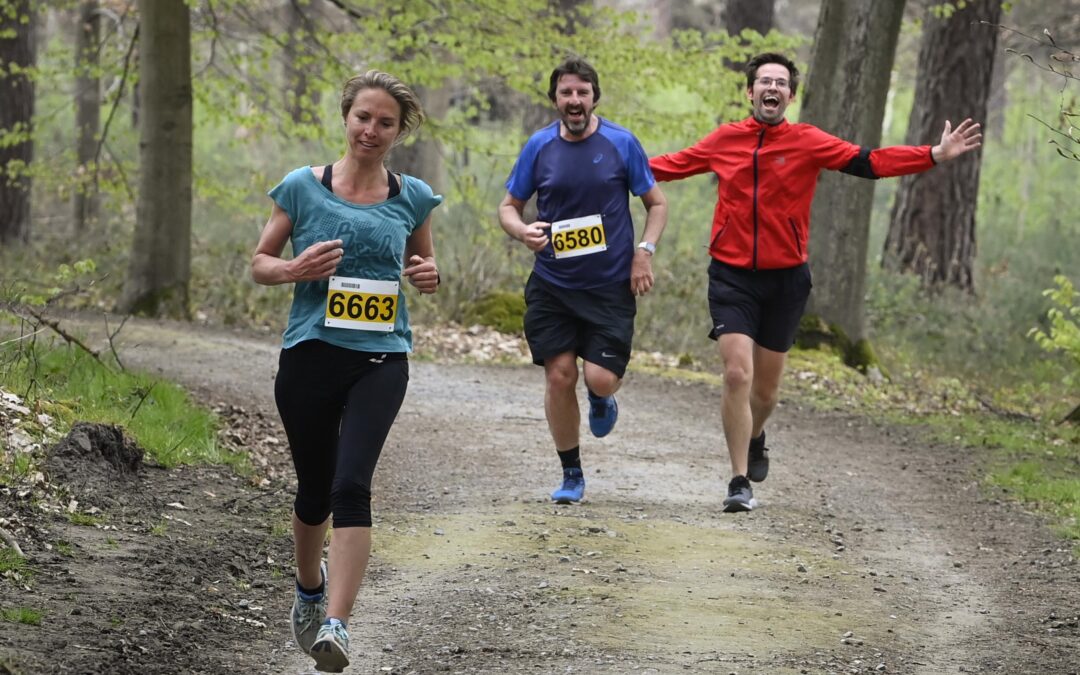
(422, 273)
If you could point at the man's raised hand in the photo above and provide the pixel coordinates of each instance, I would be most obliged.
(955, 142)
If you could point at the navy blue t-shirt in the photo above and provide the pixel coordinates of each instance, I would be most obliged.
(583, 178)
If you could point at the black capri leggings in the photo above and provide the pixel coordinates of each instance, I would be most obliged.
(337, 406)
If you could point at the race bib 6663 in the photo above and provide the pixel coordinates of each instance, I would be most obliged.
(361, 304)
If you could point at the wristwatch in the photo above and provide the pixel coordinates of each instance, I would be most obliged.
(649, 247)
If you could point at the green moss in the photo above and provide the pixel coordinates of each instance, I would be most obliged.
(502, 310)
(815, 333)
(861, 356)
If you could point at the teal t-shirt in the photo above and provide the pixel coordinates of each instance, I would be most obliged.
(373, 237)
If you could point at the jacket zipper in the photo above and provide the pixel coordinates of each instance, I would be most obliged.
(761, 141)
(795, 231)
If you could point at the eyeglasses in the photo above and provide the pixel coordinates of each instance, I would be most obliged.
(768, 82)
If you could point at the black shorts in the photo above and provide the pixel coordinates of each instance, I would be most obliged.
(597, 324)
(764, 304)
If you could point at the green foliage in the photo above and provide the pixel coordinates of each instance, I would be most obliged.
(25, 615)
(1063, 333)
(1044, 484)
(84, 519)
(12, 562)
(502, 310)
(73, 386)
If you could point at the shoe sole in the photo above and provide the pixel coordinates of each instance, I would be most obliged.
(738, 507)
(566, 500)
(329, 658)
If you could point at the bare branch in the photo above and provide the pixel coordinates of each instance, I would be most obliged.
(112, 335)
(10, 541)
(116, 101)
(68, 337)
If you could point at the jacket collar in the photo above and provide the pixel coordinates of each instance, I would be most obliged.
(754, 125)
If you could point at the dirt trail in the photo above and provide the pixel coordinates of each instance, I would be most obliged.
(870, 552)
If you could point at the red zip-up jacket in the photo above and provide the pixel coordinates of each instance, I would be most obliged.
(767, 178)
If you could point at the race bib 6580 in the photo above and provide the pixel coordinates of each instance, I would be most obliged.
(578, 236)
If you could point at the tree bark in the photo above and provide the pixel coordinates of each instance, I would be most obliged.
(85, 202)
(423, 158)
(16, 117)
(537, 115)
(932, 229)
(660, 16)
(753, 14)
(160, 265)
(848, 80)
(297, 26)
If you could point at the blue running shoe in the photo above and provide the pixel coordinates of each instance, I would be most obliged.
(603, 413)
(573, 487)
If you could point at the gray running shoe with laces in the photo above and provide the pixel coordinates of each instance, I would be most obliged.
(308, 615)
(331, 648)
(758, 459)
(740, 496)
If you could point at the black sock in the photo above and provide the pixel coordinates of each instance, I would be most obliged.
(571, 459)
(311, 592)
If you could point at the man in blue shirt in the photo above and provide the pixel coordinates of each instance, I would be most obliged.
(581, 295)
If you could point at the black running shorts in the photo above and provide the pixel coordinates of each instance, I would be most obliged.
(764, 304)
(597, 324)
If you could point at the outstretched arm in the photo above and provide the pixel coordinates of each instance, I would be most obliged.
(955, 142)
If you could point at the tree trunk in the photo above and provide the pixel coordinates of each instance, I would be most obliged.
(16, 118)
(659, 12)
(536, 115)
(301, 100)
(854, 47)
(753, 14)
(423, 158)
(160, 264)
(87, 116)
(932, 229)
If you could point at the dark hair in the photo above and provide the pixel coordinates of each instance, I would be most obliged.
(579, 67)
(772, 57)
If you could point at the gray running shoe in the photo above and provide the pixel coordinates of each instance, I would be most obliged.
(740, 497)
(307, 616)
(758, 467)
(331, 648)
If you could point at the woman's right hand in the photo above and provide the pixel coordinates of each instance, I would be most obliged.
(318, 261)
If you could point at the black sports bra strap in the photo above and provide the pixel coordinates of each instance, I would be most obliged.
(395, 189)
(391, 179)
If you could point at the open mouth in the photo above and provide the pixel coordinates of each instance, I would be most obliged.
(770, 102)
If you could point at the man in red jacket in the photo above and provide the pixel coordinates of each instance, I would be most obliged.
(759, 279)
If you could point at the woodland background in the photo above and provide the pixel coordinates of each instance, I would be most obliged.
(138, 140)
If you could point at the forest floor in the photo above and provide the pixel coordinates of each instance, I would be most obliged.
(871, 551)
